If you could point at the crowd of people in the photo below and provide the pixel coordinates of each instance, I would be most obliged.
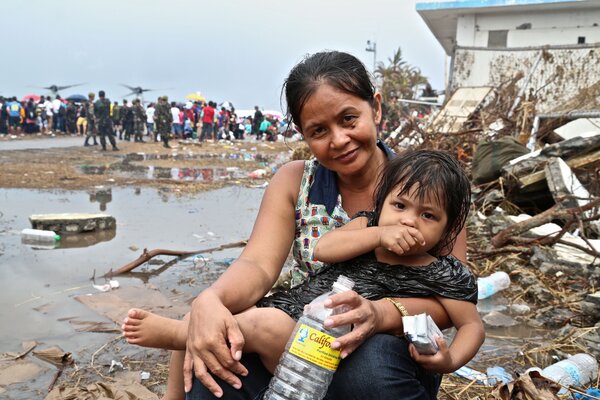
(159, 120)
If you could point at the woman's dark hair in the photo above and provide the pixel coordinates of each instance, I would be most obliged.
(340, 70)
(431, 173)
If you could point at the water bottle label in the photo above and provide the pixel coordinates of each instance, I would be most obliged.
(314, 346)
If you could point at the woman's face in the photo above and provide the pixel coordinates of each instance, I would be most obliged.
(340, 128)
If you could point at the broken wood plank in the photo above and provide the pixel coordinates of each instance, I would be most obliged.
(576, 162)
(556, 212)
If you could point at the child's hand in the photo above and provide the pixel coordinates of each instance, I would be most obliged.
(400, 239)
(439, 362)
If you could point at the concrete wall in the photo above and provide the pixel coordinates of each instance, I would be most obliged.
(547, 28)
(560, 75)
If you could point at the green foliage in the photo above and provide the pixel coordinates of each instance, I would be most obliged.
(398, 79)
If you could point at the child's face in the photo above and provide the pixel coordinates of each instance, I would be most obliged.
(427, 215)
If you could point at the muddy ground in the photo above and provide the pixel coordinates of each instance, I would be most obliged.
(67, 174)
(80, 168)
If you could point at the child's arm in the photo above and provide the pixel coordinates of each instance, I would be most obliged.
(355, 239)
(469, 337)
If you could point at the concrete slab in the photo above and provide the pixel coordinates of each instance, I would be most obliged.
(73, 223)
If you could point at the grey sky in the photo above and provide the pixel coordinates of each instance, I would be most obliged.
(236, 50)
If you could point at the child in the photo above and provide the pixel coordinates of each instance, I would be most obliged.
(398, 250)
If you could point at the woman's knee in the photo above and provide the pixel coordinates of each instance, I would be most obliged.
(382, 368)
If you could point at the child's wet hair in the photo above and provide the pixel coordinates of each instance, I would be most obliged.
(434, 174)
(341, 70)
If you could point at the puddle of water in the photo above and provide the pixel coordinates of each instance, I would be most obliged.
(146, 218)
(203, 174)
(242, 155)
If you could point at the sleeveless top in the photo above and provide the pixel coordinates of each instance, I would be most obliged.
(312, 221)
(318, 210)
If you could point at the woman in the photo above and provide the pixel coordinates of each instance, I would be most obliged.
(332, 102)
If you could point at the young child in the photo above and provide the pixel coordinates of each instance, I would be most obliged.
(398, 250)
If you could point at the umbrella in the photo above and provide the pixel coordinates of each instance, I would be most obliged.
(273, 114)
(196, 96)
(34, 97)
(77, 98)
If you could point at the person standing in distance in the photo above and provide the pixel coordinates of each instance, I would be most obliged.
(103, 121)
(163, 119)
(90, 126)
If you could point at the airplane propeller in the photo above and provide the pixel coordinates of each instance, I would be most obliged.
(56, 88)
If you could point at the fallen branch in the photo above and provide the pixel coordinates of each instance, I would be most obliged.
(147, 255)
(480, 254)
(555, 212)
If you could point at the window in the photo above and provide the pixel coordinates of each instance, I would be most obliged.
(497, 38)
(581, 40)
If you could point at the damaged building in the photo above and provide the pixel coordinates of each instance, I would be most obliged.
(554, 43)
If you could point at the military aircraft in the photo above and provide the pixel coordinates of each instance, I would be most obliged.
(54, 89)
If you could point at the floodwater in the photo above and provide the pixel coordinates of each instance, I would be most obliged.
(31, 278)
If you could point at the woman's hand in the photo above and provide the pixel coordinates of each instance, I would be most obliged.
(363, 314)
(214, 344)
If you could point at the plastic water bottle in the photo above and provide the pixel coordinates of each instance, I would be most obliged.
(577, 370)
(490, 285)
(307, 365)
(39, 236)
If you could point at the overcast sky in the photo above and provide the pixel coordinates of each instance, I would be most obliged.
(235, 50)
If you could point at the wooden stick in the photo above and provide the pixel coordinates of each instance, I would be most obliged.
(555, 212)
(480, 254)
(147, 255)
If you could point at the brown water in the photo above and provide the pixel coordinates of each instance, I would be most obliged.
(146, 218)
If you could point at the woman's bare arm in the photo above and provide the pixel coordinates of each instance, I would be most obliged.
(215, 341)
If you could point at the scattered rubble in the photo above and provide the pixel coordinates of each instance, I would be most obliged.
(535, 216)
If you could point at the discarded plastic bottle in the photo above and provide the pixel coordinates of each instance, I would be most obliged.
(497, 374)
(577, 370)
(39, 236)
(307, 365)
(490, 285)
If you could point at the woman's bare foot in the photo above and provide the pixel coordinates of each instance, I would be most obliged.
(146, 329)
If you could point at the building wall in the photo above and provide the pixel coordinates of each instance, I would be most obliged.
(547, 27)
(560, 74)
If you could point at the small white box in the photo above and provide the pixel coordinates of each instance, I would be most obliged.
(421, 331)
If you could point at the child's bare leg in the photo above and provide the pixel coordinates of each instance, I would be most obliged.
(175, 387)
(266, 331)
(175, 379)
(146, 329)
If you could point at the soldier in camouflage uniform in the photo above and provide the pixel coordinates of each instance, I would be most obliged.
(126, 121)
(102, 114)
(139, 120)
(115, 115)
(91, 128)
(163, 119)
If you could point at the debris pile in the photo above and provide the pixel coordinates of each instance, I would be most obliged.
(536, 207)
